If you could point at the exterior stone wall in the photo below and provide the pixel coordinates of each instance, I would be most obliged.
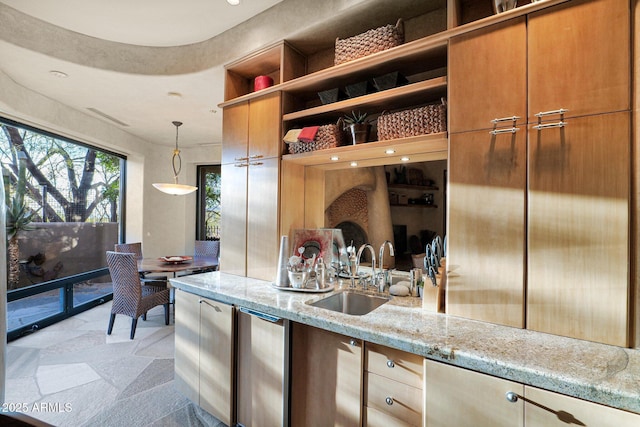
(68, 248)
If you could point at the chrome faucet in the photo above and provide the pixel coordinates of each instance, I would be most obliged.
(373, 261)
(381, 275)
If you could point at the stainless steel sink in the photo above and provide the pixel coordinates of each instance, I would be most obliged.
(353, 303)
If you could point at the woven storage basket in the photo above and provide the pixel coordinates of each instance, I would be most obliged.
(369, 42)
(328, 136)
(413, 122)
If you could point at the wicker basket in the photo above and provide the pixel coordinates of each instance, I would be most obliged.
(369, 42)
(328, 136)
(413, 122)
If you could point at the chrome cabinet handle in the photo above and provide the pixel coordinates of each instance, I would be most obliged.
(353, 342)
(389, 400)
(511, 397)
(508, 130)
(255, 156)
(215, 307)
(390, 364)
(561, 111)
(506, 119)
(241, 165)
(256, 163)
(559, 124)
(240, 159)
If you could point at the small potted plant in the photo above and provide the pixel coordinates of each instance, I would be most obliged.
(358, 126)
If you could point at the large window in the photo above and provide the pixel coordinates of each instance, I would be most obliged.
(63, 202)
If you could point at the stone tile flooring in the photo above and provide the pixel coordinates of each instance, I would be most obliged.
(74, 374)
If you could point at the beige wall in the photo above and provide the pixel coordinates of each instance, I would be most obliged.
(165, 224)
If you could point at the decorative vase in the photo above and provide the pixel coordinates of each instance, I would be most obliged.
(359, 132)
(500, 6)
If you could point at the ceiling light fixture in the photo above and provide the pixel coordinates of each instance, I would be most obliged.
(233, 2)
(176, 189)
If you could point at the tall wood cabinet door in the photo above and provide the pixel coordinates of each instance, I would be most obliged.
(265, 121)
(326, 378)
(578, 229)
(262, 219)
(458, 397)
(547, 409)
(235, 132)
(187, 343)
(233, 219)
(487, 76)
(485, 261)
(579, 58)
(216, 359)
(261, 371)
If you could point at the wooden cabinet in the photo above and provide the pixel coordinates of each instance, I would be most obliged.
(204, 368)
(494, 84)
(393, 382)
(458, 397)
(262, 369)
(547, 409)
(250, 187)
(578, 229)
(579, 58)
(486, 259)
(577, 193)
(326, 378)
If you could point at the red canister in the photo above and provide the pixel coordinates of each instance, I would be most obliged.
(262, 82)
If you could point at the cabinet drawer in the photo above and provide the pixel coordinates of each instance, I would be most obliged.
(394, 364)
(393, 398)
(375, 418)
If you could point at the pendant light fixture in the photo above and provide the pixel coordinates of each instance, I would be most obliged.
(176, 162)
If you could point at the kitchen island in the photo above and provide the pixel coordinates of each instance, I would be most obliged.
(598, 373)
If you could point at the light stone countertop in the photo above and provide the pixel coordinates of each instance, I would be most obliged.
(595, 372)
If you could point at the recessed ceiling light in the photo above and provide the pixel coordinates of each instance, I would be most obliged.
(390, 151)
(334, 158)
(354, 164)
(57, 73)
(404, 159)
(233, 2)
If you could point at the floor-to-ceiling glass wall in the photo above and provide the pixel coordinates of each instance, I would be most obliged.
(64, 209)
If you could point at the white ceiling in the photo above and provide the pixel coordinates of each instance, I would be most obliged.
(138, 99)
(126, 58)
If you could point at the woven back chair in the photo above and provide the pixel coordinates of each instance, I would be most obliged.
(130, 248)
(129, 296)
(136, 249)
(206, 248)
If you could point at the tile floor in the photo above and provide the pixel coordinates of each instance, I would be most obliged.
(74, 374)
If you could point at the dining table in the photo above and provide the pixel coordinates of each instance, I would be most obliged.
(186, 264)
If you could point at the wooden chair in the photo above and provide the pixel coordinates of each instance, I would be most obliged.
(129, 296)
